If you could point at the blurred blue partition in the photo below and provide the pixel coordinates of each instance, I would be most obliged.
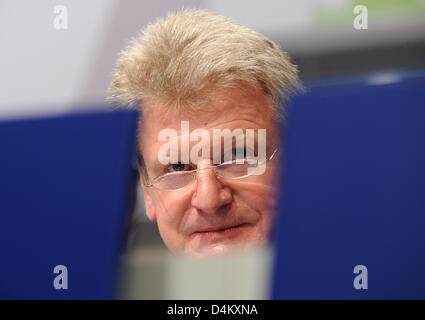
(353, 192)
(65, 191)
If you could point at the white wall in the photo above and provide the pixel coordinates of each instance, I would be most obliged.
(308, 27)
(44, 70)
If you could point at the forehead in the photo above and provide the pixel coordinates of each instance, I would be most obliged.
(231, 108)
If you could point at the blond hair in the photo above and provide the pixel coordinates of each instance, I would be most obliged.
(183, 59)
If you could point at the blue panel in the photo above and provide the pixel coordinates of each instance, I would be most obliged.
(64, 193)
(353, 193)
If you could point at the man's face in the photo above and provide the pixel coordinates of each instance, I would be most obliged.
(212, 215)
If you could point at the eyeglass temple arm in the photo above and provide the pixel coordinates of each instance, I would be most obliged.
(274, 152)
(142, 168)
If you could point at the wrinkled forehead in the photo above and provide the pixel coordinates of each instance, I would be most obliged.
(228, 105)
(233, 109)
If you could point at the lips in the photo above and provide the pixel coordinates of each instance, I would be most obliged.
(219, 234)
(218, 228)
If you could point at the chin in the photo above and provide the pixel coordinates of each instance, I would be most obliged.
(211, 243)
(221, 249)
(211, 251)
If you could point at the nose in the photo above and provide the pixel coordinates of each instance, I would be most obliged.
(210, 194)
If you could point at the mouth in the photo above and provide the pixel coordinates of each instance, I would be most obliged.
(220, 233)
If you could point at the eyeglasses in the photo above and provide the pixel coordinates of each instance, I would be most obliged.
(228, 170)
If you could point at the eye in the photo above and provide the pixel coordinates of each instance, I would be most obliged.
(176, 167)
(241, 152)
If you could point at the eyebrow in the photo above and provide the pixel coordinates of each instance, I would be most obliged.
(157, 168)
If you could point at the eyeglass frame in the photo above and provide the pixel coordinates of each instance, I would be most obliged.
(148, 184)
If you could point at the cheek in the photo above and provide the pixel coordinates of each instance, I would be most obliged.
(170, 212)
(260, 191)
(259, 195)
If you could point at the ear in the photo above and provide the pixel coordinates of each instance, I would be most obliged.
(150, 208)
